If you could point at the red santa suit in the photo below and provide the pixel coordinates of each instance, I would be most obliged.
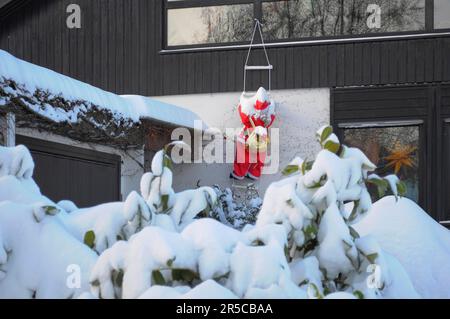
(261, 110)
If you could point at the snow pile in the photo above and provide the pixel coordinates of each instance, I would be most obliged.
(31, 78)
(420, 244)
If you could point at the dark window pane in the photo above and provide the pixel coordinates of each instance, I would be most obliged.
(393, 149)
(216, 24)
(441, 14)
(300, 18)
(372, 16)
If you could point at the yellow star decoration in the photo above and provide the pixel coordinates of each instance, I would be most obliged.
(401, 156)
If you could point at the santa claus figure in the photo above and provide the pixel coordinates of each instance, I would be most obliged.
(257, 115)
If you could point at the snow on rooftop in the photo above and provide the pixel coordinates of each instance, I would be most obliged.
(34, 77)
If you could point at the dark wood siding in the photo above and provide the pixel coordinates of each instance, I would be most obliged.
(118, 49)
(86, 177)
(380, 104)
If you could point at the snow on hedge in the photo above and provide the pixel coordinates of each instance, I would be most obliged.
(420, 244)
(31, 78)
(317, 236)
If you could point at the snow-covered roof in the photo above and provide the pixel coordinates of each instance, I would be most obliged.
(133, 108)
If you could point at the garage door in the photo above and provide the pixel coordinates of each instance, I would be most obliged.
(86, 177)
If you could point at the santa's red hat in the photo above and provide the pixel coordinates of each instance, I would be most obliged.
(262, 99)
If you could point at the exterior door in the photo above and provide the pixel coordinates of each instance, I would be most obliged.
(83, 176)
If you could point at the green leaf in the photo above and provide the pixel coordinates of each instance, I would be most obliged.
(327, 131)
(290, 203)
(257, 243)
(183, 275)
(354, 212)
(304, 282)
(290, 169)
(358, 294)
(170, 262)
(348, 246)
(167, 162)
(117, 277)
(50, 210)
(207, 211)
(224, 276)
(310, 231)
(307, 166)
(353, 232)
(89, 239)
(381, 184)
(158, 278)
(286, 251)
(317, 293)
(372, 257)
(316, 185)
(401, 188)
(165, 202)
(331, 146)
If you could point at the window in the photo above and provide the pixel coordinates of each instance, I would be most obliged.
(299, 18)
(196, 23)
(393, 149)
(441, 14)
(372, 16)
(213, 24)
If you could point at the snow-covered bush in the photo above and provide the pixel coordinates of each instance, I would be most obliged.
(420, 244)
(40, 240)
(316, 236)
(237, 213)
(183, 207)
(302, 245)
(317, 207)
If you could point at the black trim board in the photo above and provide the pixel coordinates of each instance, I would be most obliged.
(67, 150)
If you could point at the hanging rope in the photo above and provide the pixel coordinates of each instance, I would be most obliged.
(268, 67)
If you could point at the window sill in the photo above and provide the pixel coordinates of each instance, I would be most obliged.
(426, 35)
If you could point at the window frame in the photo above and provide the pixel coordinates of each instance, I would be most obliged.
(391, 122)
(428, 31)
(444, 205)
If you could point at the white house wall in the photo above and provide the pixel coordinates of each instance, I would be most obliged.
(300, 113)
(131, 171)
